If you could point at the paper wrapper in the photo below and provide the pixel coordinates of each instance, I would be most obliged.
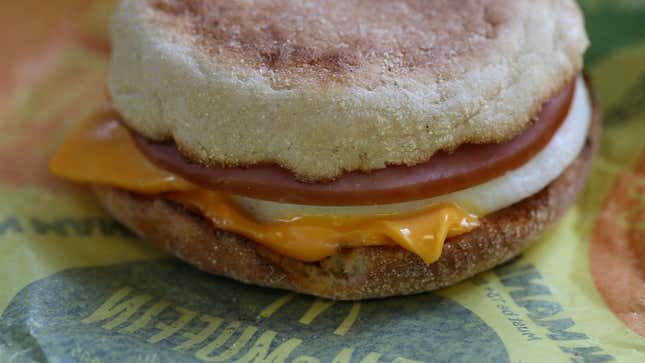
(76, 286)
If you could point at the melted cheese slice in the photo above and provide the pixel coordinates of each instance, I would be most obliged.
(100, 151)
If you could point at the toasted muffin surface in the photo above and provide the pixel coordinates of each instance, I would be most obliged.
(326, 87)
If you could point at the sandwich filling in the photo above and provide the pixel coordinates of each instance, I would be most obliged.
(102, 151)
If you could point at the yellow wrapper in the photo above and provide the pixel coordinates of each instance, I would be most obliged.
(77, 286)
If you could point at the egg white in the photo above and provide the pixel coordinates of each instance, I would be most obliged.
(482, 199)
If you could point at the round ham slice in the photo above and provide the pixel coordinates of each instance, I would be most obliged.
(444, 172)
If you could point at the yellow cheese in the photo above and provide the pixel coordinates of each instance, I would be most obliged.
(314, 238)
(100, 151)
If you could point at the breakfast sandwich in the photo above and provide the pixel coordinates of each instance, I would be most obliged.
(345, 149)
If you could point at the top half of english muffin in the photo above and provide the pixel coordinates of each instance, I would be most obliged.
(327, 87)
